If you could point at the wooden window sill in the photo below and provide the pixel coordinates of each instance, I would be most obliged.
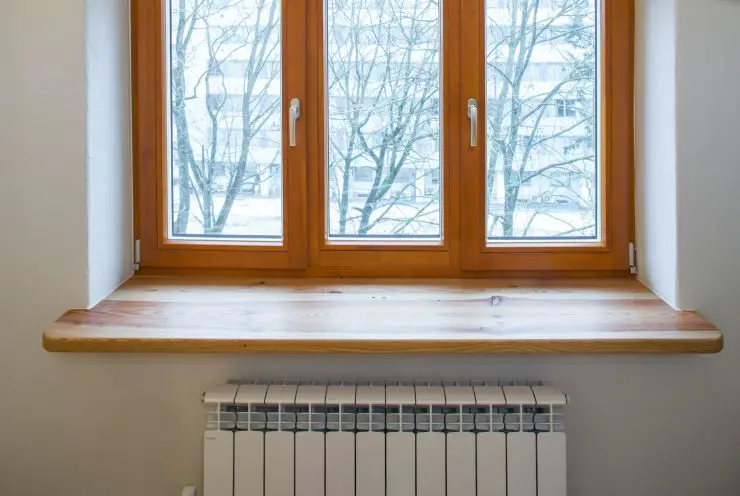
(152, 314)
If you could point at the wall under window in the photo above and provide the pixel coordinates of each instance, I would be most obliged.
(124, 425)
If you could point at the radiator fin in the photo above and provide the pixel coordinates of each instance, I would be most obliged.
(218, 451)
(309, 464)
(279, 459)
(551, 468)
(370, 463)
(340, 463)
(521, 464)
(249, 467)
(491, 463)
(430, 464)
(400, 464)
(461, 473)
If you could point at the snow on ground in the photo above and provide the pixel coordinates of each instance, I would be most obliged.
(257, 216)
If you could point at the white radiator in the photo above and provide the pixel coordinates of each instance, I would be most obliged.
(382, 438)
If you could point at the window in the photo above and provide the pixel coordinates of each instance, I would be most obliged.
(383, 137)
(382, 108)
(566, 107)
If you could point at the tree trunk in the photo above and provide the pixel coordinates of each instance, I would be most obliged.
(208, 227)
(509, 208)
(345, 192)
(183, 136)
(344, 198)
(367, 211)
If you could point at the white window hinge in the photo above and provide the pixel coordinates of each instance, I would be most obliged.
(137, 254)
(633, 258)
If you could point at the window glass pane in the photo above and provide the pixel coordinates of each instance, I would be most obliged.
(383, 119)
(542, 127)
(225, 127)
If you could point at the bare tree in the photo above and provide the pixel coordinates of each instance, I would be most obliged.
(383, 115)
(518, 110)
(202, 47)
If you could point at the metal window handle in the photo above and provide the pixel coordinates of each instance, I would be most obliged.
(294, 112)
(473, 116)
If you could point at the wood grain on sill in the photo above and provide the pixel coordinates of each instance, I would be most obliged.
(329, 316)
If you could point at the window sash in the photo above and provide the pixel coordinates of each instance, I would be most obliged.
(610, 252)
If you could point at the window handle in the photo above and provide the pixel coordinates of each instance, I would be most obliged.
(473, 116)
(294, 112)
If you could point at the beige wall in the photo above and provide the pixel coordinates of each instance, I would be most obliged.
(131, 425)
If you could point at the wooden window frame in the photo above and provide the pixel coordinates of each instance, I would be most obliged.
(150, 154)
(463, 251)
(617, 156)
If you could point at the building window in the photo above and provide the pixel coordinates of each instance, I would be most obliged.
(338, 139)
(565, 107)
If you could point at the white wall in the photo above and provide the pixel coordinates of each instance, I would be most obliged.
(109, 175)
(91, 425)
(708, 89)
(655, 147)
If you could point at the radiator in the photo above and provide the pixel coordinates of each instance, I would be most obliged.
(383, 438)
